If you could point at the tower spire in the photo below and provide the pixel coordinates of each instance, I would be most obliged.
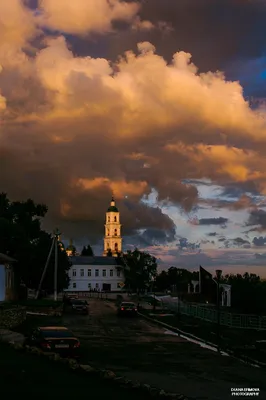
(112, 238)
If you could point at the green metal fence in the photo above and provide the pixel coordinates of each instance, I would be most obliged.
(209, 314)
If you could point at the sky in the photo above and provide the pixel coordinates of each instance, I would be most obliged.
(160, 103)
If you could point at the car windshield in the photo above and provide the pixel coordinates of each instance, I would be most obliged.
(79, 302)
(57, 333)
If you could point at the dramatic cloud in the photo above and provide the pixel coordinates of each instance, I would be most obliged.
(84, 16)
(257, 217)
(76, 129)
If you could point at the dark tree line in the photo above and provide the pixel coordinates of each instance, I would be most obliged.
(248, 290)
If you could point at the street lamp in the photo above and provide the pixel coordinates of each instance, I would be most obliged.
(218, 278)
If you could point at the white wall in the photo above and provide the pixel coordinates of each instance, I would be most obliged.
(2, 283)
(82, 282)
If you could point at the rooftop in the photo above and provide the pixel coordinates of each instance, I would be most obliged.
(6, 259)
(96, 260)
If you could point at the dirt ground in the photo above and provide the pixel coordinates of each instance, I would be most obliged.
(139, 350)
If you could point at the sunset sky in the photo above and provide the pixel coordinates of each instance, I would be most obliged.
(158, 102)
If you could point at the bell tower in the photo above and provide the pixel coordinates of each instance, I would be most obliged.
(112, 238)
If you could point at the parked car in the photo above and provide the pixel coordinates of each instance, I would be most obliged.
(127, 309)
(79, 306)
(54, 339)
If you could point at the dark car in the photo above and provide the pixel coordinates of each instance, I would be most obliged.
(127, 309)
(79, 306)
(54, 339)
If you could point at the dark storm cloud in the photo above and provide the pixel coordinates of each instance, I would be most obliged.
(154, 236)
(257, 217)
(213, 221)
(213, 31)
(259, 241)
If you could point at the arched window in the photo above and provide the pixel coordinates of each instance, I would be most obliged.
(108, 232)
(114, 219)
(115, 232)
(108, 219)
(116, 246)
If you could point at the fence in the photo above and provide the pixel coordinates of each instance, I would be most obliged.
(209, 314)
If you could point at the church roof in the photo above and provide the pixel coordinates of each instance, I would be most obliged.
(112, 207)
(96, 260)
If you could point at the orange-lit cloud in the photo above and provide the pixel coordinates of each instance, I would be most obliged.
(77, 129)
(84, 16)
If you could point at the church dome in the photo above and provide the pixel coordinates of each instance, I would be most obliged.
(112, 207)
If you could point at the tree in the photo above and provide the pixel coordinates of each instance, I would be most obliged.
(139, 269)
(109, 253)
(87, 251)
(23, 239)
(176, 279)
(248, 292)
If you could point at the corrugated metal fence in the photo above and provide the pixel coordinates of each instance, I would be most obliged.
(243, 321)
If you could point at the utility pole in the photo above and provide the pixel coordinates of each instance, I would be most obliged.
(45, 269)
(56, 236)
(218, 277)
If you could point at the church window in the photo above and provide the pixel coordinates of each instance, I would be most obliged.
(74, 272)
(118, 273)
(82, 272)
(108, 219)
(96, 272)
(74, 285)
(111, 272)
(89, 272)
(116, 246)
(115, 232)
(97, 285)
(114, 219)
(89, 285)
(104, 272)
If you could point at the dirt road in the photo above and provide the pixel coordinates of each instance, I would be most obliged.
(138, 350)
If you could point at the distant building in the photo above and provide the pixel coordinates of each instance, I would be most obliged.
(100, 273)
(7, 281)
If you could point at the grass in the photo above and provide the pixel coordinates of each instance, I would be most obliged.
(23, 374)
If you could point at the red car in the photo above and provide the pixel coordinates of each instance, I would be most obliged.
(54, 339)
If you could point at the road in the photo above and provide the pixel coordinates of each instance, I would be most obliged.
(141, 351)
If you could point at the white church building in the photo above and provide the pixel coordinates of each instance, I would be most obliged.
(100, 273)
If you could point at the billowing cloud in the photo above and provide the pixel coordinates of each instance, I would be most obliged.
(84, 16)
(17, 25)
(77, 129)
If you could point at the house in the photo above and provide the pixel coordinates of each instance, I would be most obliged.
(7, 283)
(100, 273)
(95, 273)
